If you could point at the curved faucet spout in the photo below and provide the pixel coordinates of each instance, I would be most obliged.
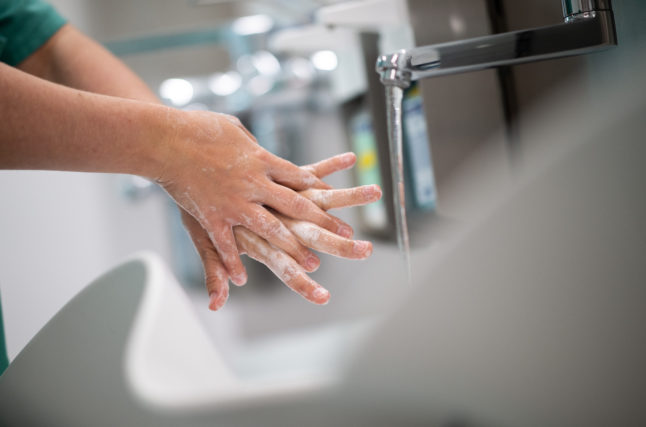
(586, 32)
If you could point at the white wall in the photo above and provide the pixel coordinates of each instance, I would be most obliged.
(60, 230)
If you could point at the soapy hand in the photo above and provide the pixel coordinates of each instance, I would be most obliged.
(58, 118)
(216, 171)
(309, 234)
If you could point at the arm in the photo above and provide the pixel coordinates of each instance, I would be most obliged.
(80, 142)
(75, 60)
(50, 126)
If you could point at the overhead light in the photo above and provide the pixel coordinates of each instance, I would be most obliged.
(266, 63)
(252, 24)
(324, 60)
(224, 84)
(301, 69)
(260, 85)
(178, 91)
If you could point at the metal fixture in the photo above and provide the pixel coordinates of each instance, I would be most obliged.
(588, 26)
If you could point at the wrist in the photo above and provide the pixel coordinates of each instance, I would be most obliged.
(156, 155)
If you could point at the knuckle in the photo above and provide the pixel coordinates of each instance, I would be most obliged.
(309, 232)
(209, 255)
(213, 282)
(273, 228)
(309, 194)
(348, 248)
(299, 205)
(264, 155)
(331, 223)
(301, 286)
(312, 169)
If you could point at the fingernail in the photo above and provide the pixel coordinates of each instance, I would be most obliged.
(312, 263)
(321, 294)
(361, 247)
(239, 279)
(372, 190)
(345, 231)
(348, 156)
(213, 301)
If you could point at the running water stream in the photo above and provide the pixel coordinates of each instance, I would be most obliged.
(394, 95)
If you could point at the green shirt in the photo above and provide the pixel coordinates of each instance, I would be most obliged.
(4, 360)
(25, 25)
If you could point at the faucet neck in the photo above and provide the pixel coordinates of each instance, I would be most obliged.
(575, 9)
(394, 70)
(585, 31)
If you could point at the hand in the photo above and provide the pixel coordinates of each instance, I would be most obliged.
(285, 267)
(216, 171)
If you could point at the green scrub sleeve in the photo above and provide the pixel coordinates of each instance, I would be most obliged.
(4, 360)
(25, 25)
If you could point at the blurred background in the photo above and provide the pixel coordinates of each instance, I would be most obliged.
(300, 75)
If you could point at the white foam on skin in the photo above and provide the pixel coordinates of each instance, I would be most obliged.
(307, 231)
(194, 207)
(309, 180)
(321, 197)
(283, 266)
(320, 292)
(269, 229)
(279, 262)
(203, 221)
(246, 220)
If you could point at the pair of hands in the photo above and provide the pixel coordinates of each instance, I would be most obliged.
(73, 106)
(237, 198)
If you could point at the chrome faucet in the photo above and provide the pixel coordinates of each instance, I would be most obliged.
(588, 26)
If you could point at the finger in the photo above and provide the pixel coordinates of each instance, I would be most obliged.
(216, 278)
(221, 236)
(333, 164)
(324, 241)
(282, 265)
(217, 281)
(267, 226)
(296, 206)
(331, 199)
(290, 175)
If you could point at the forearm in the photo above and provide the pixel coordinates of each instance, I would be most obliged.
(49, 126)
(216, 171)
(73, 59)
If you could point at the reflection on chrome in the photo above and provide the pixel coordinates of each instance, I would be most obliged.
(588, 26)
